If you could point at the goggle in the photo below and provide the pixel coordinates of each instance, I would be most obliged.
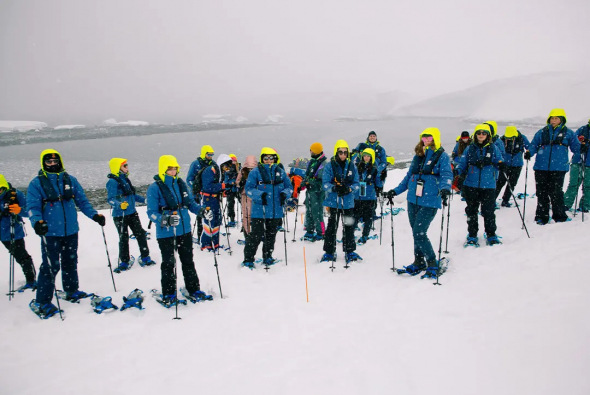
(125, 165)
(427, 139)
(209, 154)
(51, 161)
(269, 157)
(480, 132)
(342, 152)
(172, 168)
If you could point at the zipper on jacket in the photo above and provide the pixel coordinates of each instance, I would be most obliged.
(179, 205)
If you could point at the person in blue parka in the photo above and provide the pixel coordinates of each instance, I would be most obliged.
(496, 139)
(211, 196)
(428, 182)
(551, 145)
(194, 181)
(478, 171)
(269, 187)
(515, 143)
(52, 198)
(341, 183)
(580, 173)
(13, 208)
(122, 197)
(366, 195)
(380, 160)
(229, 169)
(168, 203)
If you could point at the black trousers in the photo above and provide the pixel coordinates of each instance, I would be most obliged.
(22, 257)
(364, 209)
(513, 174)
(231, 205)
(130, 221)
(347, 218)
(184, 246)
(259, 228)
(550, 194)
(486, 198)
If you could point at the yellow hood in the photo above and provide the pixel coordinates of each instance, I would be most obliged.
(511, 132)
(483, 126)
(371, 152)
(165, 162)
(204, 150)
(435, 133)
(341, 144)
(557, 112)
(52, 151)
(493, 127)
(458, 138)
(3, 182)
(391, 160)
(269, 151)
(115, 165)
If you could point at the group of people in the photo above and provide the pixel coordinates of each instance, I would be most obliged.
(345, 186)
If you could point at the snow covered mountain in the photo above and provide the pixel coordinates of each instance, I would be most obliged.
(527, 98)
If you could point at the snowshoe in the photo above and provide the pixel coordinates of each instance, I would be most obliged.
(506, 204)
(319, 237)
(328, 258)
(32, 286)
(541, 222)
(362, 240)
(147, 261)
(241, 242)
(395, 210)
(568, 219)
(436, 270)
(196, 240)
(198, 296)
(280, 229)
(471, 242)
(231, 224)
(124, 266)
(44, 312)
(101, 304)
(249, 265)
(167, 300)
(308, 236)
(582, 210)
(496, 207)
(268, 261)
(135, 299)
(492, 240)
(73, 297)
(352, 257)
(413, 269)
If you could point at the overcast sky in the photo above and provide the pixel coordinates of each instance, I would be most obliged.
(83, 61)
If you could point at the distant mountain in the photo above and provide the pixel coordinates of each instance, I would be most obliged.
(524, 98)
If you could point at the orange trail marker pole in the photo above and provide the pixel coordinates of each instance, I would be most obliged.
(305, 267)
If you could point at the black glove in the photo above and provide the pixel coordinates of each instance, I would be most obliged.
(502, 167)
(282, 198)
(99, 219)
(390, 194)
(584, 149)
(41, 228)
(263, 198)
(379, 191)
(460, 182)
(342, 190)
(527, 155)
(444, 194)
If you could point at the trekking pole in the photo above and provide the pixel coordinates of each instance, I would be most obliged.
(518, 208)
(295, 228)
(11, 267)
(442, 228)
(108, 257)
(583, 177)
(285, 236)
(526, 178)
(381, 198)
(446, 251)
(216, 266)
(175, 276)
(392, 240)
(335, 232)
(226, 230)
(44, 244)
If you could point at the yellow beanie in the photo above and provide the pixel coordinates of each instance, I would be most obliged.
(316, 148)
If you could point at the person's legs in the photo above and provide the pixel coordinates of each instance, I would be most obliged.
(270, 235)
(254, 238)
(488, 210)
(22, 257)
(501, 182)
(140, 234)
(423, 218)
(556, 195)
(121, 226)
(330, 235)
(184, 244)
(348, 242)
(69, 263)
(50, 266)
(367, 215)
(167, 268)
(513, 176)
(542, 187)
(471, 196)
(569, 197)
(585, 202)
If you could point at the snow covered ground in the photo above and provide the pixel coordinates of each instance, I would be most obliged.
(21, 126)
(509, 319)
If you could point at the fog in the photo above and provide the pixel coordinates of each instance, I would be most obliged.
(174, 61)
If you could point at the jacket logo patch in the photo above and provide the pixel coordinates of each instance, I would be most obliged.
(488, 155)
(350, 173)
(66, 187)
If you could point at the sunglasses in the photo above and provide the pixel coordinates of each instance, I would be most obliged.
(480, 132)
(342, 152)
(269, 157)
(51, 161)
(125, 165)
(172, 168)
(209, 154)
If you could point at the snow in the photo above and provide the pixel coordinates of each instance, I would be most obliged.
(216, 116)
(241, 119)
(21, 126)
(522, 98)
(274, 119)
(509, 319)
(69, 127)
(113, 122)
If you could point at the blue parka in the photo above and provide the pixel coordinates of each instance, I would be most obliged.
(552, 157)
(480, 177)
(61, 216)
(18, 219)
(441, 176)
(198, 164)
(380, 154)
(346, 170)
(255, 187)
(583, 131)
(514, 159)
(115, 191)
(370, 176)
(156, 202)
